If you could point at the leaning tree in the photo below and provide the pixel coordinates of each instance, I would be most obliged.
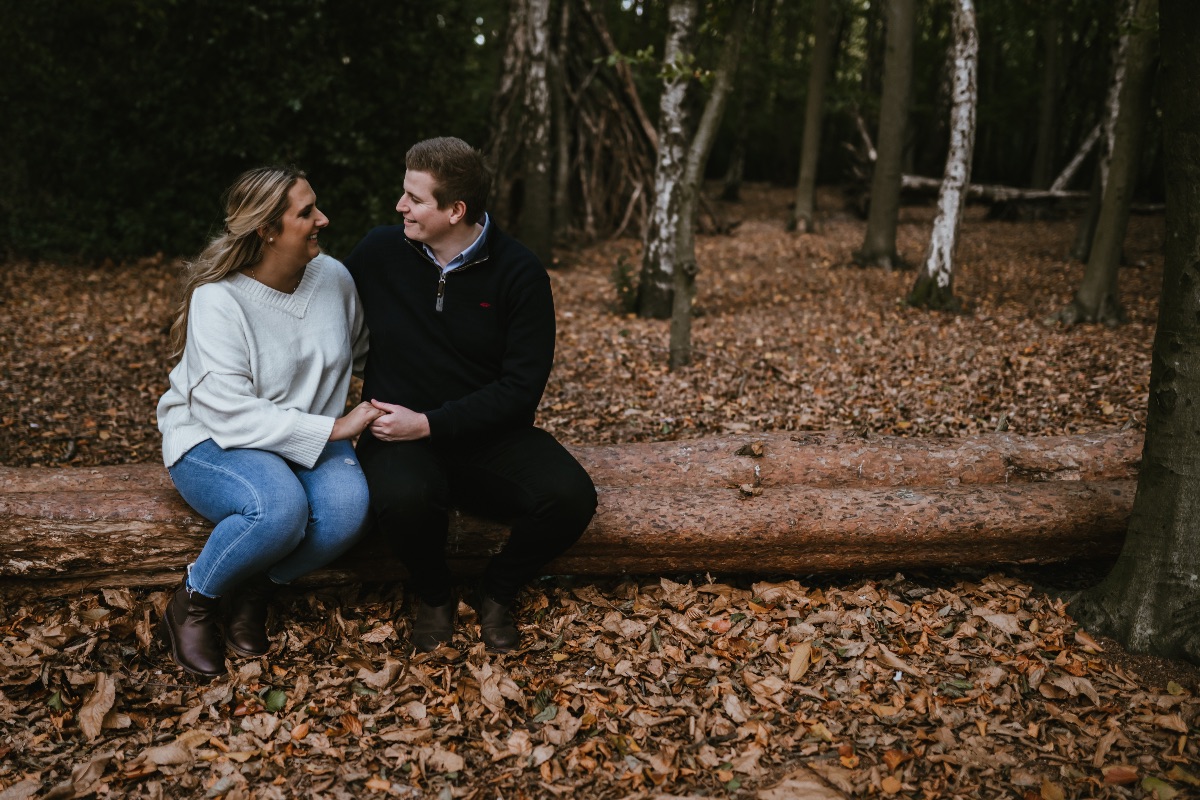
(1151, 599)
(1096, 299)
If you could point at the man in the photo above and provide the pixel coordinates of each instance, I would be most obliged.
(462, 340)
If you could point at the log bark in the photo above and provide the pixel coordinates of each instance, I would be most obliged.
(774, 503)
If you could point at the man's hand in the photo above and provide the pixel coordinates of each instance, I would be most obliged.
(398, 424)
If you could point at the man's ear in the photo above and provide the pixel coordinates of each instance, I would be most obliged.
(458, 210)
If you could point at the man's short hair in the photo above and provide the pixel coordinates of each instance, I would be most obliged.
(458, 170)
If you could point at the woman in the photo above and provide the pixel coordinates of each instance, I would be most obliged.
(267, 333)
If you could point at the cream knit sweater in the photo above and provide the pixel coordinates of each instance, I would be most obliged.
(265, 370)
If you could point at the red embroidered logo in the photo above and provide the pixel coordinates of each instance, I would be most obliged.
(485, 305)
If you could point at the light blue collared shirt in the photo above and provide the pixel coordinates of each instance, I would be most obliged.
(466, 256)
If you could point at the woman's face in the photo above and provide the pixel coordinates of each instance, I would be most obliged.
(296, 239)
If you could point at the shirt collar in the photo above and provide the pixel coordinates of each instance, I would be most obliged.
(468, 255)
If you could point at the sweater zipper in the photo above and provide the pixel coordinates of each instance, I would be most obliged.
(441, 287)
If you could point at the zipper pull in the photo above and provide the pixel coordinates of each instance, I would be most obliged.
(441, 292)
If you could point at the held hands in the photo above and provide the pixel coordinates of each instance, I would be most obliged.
(397, 423)
(355, 422)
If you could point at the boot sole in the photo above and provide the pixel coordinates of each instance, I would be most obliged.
(246, 653)
(168, 637)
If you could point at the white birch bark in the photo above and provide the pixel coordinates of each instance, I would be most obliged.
(662, 230)
(939, 260)
(1112, 103)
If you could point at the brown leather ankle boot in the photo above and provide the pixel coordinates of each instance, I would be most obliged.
(246, 633)
(434, 625)
(191, 630)
(496, 626)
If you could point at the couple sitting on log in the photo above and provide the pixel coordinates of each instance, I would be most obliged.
(461, 340)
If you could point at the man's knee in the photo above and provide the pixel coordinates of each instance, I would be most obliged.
(569, 499)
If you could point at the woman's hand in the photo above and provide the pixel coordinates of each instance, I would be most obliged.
(355, 422)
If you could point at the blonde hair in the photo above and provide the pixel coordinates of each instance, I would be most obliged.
(256, 200)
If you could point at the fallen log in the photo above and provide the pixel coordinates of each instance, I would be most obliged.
(789, 503)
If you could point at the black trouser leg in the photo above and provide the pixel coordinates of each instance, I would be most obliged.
(527, 478)
(409, 501)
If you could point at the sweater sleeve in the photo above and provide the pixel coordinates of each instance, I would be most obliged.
(221, 394)
(512, 399)
(359, 335)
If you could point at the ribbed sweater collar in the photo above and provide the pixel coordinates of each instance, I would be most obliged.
(294, 304)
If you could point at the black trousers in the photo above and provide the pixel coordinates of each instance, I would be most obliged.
(522, 477)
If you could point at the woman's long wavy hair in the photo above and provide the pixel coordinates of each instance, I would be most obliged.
(255, 202)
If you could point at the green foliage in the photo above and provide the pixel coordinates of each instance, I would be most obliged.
(126, 119)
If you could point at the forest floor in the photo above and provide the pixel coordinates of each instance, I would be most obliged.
(918, 685)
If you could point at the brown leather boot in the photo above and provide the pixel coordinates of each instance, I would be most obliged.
(496, 626)
(191, 630)
(246, 633)
(434, 625)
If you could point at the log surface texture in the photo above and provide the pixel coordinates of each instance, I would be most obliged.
(792, 503)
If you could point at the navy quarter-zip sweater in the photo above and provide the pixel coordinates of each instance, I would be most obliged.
(471, 349)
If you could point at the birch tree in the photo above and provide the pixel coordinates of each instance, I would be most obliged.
(879, 243)
(693, 177)
(1097, 299)
(1150, 601)
(659, 252)
(934, 287)
(824, 38)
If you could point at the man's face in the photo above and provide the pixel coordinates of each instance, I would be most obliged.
(423, 220)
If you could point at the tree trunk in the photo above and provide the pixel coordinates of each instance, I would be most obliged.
(756, 91)
(814, 106)
(504, 149)
(1151, 600)
(1043, 157)
(879, 244)
(659, 257)
(692, 185)
(775, 502)
(1097, 299)
(537, 208)
(561, 220)
(1082, 248)
(934, 287)
(987, 192)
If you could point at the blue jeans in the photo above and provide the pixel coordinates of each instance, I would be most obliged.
(271, 515)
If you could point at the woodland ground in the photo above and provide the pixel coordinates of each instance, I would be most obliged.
(921, 685)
